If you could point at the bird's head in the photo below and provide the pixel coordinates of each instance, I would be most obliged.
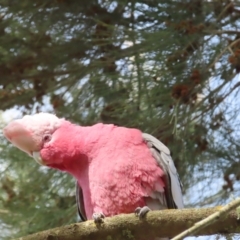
(32, 134)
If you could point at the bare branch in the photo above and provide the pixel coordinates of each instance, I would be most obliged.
(220, 32)
(166, 223)
(209, 220)
(222, 52)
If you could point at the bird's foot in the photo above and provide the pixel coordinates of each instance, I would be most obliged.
(141, 212)
(98, 217)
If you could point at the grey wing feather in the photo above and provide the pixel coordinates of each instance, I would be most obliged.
(80, 203)
(162, 155)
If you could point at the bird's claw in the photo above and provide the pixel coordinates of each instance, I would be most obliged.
(98, 217)
(141, 212)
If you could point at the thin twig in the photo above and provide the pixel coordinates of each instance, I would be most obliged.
(224, 50)
(224, 10)
(220, 32)
(209, 220)
(2, 211)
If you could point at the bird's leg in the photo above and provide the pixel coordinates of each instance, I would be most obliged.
(141, 212)
(98, 217)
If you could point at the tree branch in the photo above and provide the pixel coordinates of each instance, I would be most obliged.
(166, 223)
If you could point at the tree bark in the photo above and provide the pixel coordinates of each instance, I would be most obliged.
(166, 223)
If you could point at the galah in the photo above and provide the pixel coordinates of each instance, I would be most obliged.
(117, 169)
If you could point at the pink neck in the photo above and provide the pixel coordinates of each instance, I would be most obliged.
(82, 143)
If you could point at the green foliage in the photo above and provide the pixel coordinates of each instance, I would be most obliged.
(33, 198)
(165, 67)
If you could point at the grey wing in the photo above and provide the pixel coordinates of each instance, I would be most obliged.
(173, 189)
(80, 203)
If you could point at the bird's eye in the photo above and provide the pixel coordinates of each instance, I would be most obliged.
(47, 138)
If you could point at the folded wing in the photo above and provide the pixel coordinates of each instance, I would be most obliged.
(173, 190)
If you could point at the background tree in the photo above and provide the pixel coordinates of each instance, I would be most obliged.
(169, 68)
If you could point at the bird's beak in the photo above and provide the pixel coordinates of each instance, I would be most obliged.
(18, 136)
(23, 139)
(37, 157)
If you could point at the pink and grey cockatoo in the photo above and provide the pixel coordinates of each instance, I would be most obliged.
(118, 169)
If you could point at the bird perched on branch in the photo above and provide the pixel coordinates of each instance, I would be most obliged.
(117, 169)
